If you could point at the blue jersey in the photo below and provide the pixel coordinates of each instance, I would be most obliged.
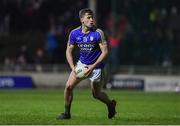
(88, 45)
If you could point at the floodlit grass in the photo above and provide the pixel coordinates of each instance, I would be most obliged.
(133, 107)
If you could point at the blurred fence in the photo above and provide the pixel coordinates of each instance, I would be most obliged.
(121, 69)
(34, 68)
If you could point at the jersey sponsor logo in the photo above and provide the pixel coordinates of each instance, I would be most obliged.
(86, 47)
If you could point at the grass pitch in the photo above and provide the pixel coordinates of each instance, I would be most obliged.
(133, 107)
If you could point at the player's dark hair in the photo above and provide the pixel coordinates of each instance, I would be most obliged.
(82, 12)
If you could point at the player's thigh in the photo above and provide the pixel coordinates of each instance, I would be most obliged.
(96, 78)
(72, 80)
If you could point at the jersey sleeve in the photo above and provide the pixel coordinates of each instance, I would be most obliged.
(71, 39)
(100, 36)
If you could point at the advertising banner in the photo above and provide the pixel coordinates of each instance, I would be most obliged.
(127, 83)
(16, 82)
(162, 84)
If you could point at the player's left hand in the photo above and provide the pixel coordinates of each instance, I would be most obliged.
(90, 68)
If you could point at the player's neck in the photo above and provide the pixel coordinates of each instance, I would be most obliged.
(85, 29)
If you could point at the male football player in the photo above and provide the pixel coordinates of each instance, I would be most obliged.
(93, 51)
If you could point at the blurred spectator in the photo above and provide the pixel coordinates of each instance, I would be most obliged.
(39, 59)
(167, 62)
(51, 44)
(23, 56)
(4, 25)
(9, 63)
(114, 42)
(21, 60)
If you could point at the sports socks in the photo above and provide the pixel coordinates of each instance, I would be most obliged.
(67, 109)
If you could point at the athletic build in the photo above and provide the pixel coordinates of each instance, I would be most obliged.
(93, 51)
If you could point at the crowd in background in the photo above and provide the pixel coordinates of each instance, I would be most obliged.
(47, 21)
(145, 32)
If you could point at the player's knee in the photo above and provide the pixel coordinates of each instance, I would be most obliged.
(69, 87)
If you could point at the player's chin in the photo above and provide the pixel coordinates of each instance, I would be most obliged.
(90, 26)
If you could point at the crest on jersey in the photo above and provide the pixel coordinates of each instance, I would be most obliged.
(84, 39)
(78, 38)
(91, 38)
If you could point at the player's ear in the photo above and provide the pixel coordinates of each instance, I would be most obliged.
(81, 19)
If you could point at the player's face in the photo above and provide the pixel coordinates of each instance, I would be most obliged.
(87, 20)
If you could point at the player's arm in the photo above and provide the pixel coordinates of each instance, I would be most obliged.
(104, 49)
(69, 50)
(103, 46)
(69, 56)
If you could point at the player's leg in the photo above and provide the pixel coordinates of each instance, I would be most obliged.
(102, 96)
(98, 94)
(96, 86)
(68, 95)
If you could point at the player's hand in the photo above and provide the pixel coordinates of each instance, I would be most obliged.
(90, 68)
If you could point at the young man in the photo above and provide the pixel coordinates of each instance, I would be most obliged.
(93, 51)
